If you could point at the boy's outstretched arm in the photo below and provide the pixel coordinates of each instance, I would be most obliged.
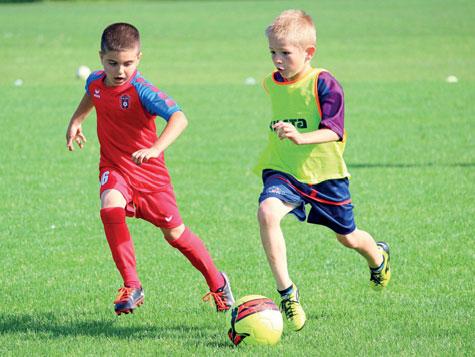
(74, 131)
(288, 131)
(175, 126)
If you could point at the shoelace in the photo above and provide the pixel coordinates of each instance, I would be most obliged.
(124, 294)
(376, 278)
(218, 299)
(288, 306)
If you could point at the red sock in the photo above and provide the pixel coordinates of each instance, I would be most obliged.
(121, 244)
(193, 248)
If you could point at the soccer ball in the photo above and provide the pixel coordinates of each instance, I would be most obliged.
(83, 72)
(255, 320)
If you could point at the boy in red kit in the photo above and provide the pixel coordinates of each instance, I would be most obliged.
(134, 178)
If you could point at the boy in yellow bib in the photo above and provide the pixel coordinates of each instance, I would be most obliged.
(303, 160)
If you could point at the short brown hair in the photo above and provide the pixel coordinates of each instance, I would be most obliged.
(119, 37)
(295, 26)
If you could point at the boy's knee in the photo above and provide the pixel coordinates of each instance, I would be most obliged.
(266, 215)
(112, 198)
(172, 234)
(348, 240)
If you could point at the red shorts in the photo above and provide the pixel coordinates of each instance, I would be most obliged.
(158, 208)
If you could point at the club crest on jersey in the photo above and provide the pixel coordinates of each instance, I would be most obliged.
(125, 102)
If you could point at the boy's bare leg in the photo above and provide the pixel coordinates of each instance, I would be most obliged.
(271, 211)
(376, 254)
(112, 198)
(364, 244)
(270, 214)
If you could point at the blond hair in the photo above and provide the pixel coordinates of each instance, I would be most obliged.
(295, 26)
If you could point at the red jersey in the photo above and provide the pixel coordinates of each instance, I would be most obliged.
(126, 123)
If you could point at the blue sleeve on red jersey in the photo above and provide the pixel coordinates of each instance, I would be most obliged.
(92, 77)
(154, 100)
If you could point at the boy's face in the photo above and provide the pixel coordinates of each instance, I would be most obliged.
(120, 65)
(290, 60)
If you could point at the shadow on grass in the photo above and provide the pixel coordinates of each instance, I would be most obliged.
(408, 166)
(53, 325)
(17, 1)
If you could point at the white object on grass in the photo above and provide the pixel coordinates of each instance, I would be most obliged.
(250, 81)
(452, 79)
(83, 72)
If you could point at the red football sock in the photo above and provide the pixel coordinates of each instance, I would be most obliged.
(121, 244)
(193, 248)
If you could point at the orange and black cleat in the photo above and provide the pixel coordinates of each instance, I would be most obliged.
(128, 299)
(223, 297)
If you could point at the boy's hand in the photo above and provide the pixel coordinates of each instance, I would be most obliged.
(287, 131)
(74, 133)
(143, 155)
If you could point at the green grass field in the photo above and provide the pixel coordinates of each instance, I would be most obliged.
(411, 153)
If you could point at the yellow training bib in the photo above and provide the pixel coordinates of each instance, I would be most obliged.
(297, 103)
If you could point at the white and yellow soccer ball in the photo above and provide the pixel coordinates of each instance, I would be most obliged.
(83, 72)
(255, 320)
